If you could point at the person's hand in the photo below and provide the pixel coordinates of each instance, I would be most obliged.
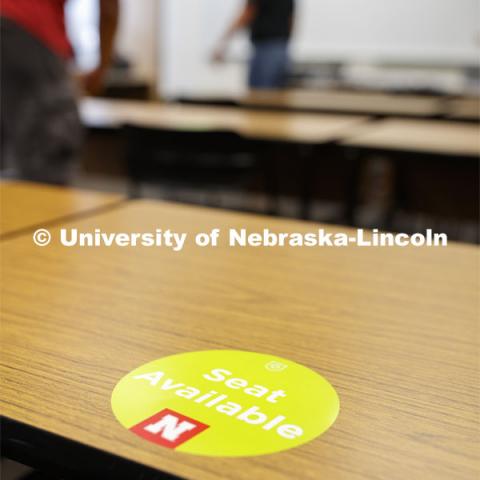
(218, 55)
(92, 82)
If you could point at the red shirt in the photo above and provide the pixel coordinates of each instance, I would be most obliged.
(44, 19)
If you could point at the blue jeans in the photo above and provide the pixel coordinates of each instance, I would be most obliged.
(269, 64)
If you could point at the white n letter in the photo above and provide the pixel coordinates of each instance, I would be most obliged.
(169, 427)
(238, 238)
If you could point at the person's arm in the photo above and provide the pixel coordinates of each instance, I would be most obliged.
(108, 22)
(292, 16)
(242, 21)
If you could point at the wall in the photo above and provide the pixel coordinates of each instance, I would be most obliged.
(136, 36)
(188, 32)
(415, 31)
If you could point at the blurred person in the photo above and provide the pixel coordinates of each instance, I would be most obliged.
(270, 23)
(41, 132)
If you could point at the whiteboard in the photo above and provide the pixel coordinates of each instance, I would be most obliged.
(438, 31)
(444, 31)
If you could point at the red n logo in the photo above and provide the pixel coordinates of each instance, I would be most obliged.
(168, 428)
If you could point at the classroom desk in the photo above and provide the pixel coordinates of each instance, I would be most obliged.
(257, 125)
(394, 331)
(337, 101)
(25, 205)
(371, 103)
(432, 161)
(436, 137)
(272, 128)
(464, 109)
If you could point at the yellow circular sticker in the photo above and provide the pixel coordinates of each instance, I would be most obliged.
(225, 403)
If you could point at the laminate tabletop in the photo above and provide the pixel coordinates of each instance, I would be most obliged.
(394, 330)
(372, 103)
(464, 108)
(25, 205)
(263, 125)
(438, 137)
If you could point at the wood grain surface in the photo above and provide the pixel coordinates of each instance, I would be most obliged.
(265, 125)
(451, 138)
(394, 330)
(25, 205)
